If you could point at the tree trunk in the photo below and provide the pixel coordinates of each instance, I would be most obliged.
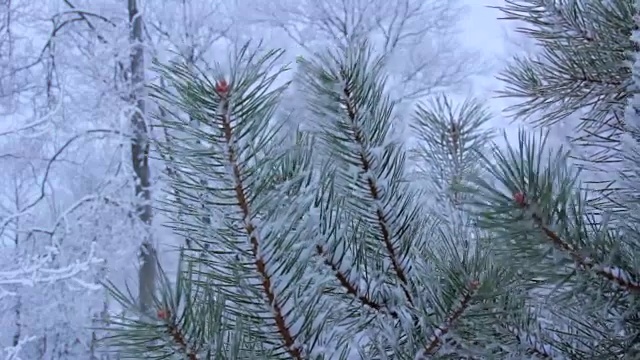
(140, 159)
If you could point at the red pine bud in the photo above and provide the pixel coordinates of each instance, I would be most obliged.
(163, 314)
(222, 86)
(520, 199)
(475, 284)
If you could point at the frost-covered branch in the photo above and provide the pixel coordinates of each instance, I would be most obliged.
(13, 352)
(45, 177)
(38, 270)
(416, 37)
(621, 277)
(434, 342)
(38, 123)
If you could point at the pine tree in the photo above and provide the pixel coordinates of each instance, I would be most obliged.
(320, 250)
(326, 248)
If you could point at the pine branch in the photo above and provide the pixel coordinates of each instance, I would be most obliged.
(188, 322)
(251, 229)
(614, 274)
(375, 191)
(534, 346)
(232, 176)
(450, 137)
(347, 87)
(578, 72)
(543, 225)
(351, 288)
(177, 334)
(433, 344)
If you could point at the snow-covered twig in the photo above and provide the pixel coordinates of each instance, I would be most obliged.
(13, 352)
(434, 342)
(44, 120)
(25, 210)
(38, 271)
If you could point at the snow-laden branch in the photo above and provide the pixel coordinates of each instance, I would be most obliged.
(39, 271)
(13, 352)
(62, 219)
(47, 171)
(43, 121)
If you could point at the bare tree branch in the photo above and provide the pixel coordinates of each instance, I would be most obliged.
(42, 191)
(37, 271)
(417, 37)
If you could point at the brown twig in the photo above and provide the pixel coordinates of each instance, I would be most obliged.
(614, 274)
(176, 334)
(436, 339)
(350, 288)
(240, 192)
(533, 348)
(374, 190)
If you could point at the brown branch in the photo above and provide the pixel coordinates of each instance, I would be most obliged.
(176, 334)
(373, 188)
(436, 339)
(349, 287)
(533, 347)
(82, 16)
(240, 192)
(612, 273)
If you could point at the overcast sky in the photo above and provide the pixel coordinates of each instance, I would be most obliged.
(486, 33)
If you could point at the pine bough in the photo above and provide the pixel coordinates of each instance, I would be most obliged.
(321, 248)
